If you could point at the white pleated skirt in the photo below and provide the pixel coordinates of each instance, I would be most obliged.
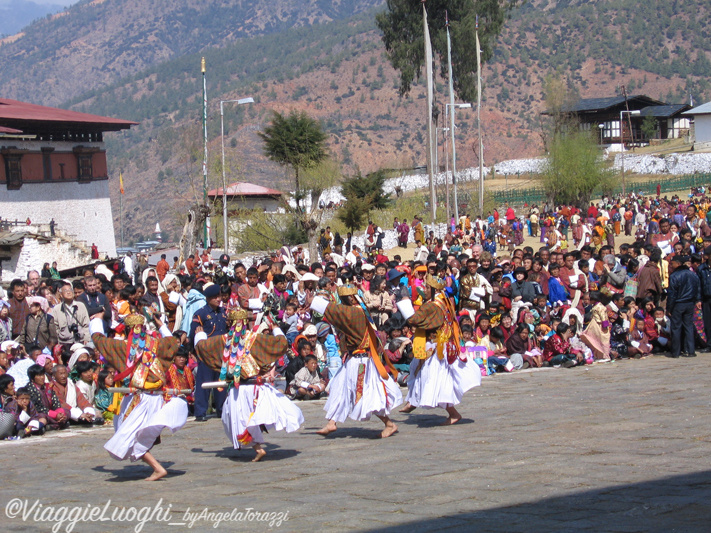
(439, 384)
(379, 396)
(273, 410)
(135, 435)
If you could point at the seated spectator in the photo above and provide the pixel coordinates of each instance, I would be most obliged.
(28, 420)
(7, 389)
(639, 342)
(307, 383)
(70, 397)
(557, 350)
(85, 384)
(108, 403)
(327, 340)
(498, 360)
(296, 363)
(45, 400)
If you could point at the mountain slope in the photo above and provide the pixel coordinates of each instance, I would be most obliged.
(337, 71)
(99, 41)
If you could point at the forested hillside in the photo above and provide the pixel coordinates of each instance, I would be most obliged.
(313, 57)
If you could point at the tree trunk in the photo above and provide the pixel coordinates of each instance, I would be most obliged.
(191, 230)
(311, 226)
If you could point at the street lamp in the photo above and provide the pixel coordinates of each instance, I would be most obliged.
(601, 127)
(239, 101)
(454, 155)
(622, 143)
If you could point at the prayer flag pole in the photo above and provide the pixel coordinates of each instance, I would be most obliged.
(478, 120)
(430, 97)
(205, 242)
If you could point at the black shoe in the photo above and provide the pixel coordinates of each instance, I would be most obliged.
(673, 356)
(688, 355)
(200, 419)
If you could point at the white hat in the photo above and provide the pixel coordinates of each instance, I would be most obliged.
(8, 345)
(309, 277)
(76, 346)
(367, 266)
(309, 330)
(292, 269)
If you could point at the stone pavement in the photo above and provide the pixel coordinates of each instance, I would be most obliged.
(614, 447)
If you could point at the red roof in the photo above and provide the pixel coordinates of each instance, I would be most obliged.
(13, 111)
(245, 189)
(3, 129)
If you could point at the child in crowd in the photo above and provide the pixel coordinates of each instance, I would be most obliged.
(639, 342)
(290, 322)
(307, 383)
(28, 421)
(663, 327)
(498, 360)
(303, 349)
(107, 402)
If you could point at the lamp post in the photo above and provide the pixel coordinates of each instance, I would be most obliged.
(240, 101)
(622, 144)
(601, 127)
(454, 155)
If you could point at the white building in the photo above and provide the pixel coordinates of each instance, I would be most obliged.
(53, 166)
(702, 125)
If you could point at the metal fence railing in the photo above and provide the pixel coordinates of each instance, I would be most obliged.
(537, 195)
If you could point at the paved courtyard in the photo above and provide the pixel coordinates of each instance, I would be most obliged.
(622, 446)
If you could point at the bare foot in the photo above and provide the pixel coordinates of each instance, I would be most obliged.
(328, 428)
(260, 455)
(389, 430)
(408, 408)
(451, 420)
(155, 476)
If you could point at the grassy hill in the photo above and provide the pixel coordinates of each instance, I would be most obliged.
(326, 58)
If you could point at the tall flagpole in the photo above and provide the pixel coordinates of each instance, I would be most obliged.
(478, 120)
(451, 124)
(205, 242)
(121, 205)
(430, 98)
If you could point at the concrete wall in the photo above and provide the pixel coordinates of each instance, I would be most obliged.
(702, 125)
(32, 255)
(81, 209)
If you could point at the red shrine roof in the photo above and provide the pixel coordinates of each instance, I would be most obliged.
(241, 188)
(16, 113)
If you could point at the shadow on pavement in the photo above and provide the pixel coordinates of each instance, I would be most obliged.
(245, 455)
(678, 503)
(349, 432)
(431, 420)
(135, 472)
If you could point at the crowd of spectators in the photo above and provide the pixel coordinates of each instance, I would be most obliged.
(572, 299)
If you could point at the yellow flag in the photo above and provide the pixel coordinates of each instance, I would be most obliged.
(121, 181)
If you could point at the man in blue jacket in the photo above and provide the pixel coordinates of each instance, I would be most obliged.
(683, 295)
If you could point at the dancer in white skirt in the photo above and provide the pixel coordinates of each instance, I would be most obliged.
(439, 376)
(362, 386)
(144, 358)
(245, 360)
